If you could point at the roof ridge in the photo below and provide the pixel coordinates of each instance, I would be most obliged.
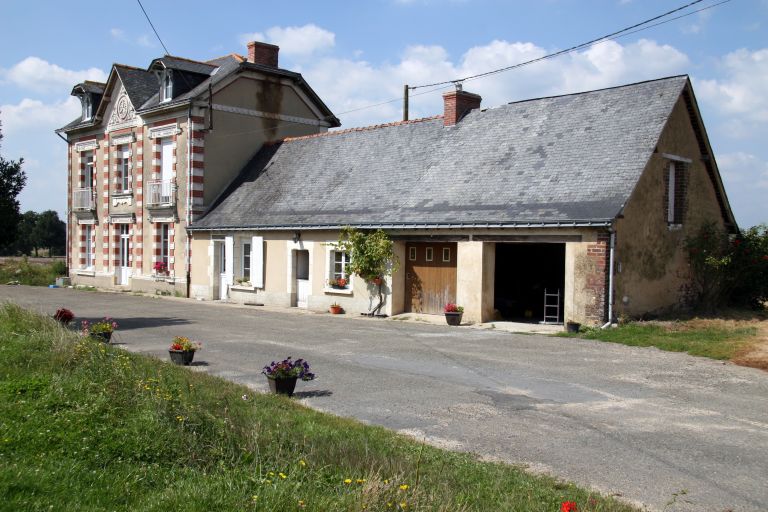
(116, 65)
(597, 90)
(363, 128)
(189, 60)
(234, 55)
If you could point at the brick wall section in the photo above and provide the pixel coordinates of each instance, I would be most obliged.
(70, 216)
(597, 278)
(457, 104)
(197, 170)
(681, 188)
(263, 53)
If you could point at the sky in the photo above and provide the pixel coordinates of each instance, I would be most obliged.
(355, 54)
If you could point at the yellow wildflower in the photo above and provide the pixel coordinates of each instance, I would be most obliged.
(403, 487)
(301, 503)
(302, 463)
(347, 480)
(271, 473)
(403, 505)
(361, 480)
(282, 475)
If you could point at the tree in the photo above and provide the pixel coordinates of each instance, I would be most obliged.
(12, 181)
(50, 233)
(25, 240)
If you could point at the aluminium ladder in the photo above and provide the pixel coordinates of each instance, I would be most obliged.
(551, 307)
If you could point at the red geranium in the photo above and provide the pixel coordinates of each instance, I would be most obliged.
(568, 506)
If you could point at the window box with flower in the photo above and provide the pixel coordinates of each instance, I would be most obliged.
(160, 268)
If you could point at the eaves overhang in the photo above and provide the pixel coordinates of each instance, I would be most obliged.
(602, 223)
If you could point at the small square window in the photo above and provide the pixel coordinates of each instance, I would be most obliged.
(430, 254)
(412, 253)
(446, 254)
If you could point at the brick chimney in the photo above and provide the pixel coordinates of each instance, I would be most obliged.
(457, 104)
(263, 53)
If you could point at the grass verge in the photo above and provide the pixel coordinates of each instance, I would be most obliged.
(716, 339)
(85, 426)
(29, 273)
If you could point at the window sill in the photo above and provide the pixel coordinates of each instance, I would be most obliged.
(122, 194)
(243, 288)
(337, 291)
(674, 227)
(85, 272)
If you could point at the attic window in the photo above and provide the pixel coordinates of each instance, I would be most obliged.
(166, 91)
(676, 184)
(87, 107)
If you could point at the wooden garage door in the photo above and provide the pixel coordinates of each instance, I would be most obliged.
(430, 276)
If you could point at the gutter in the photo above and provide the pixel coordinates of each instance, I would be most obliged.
(319, 227)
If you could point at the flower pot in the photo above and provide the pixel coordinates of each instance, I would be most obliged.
(453, 318)
(183, 357)
(572, 326)
(335, 310)
(104, 337)
(377, 281)
(282, 386)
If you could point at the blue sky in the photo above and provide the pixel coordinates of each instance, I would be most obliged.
(356, 54)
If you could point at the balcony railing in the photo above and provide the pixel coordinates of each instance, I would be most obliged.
(161, 193)
(83, 199)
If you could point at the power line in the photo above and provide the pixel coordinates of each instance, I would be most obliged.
(638, 27)
(153, 28)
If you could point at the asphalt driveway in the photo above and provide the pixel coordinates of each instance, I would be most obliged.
(664, 430)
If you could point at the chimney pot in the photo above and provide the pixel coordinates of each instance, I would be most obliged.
(457, 104)
(263, 53)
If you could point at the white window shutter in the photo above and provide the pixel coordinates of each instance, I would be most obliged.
(229, 261)
(257, 262)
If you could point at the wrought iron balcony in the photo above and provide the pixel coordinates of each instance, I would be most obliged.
(160, 194)
(83, 199)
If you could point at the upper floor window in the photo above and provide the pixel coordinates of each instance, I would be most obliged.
(167, 88)
(88, 174)
(676, 178)
(123, 168)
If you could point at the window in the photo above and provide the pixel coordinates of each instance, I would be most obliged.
(167, 90)
(123, 168)
(88, 174)
(247, 262)
(430, 254)
(164, 243)
(412, 254)
(446, 254)
(676, 181)
(87, 107)
(339, 263)
(89, 255)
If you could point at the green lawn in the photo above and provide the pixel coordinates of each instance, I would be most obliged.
(707, 338)
(34, 274)
(84, 426)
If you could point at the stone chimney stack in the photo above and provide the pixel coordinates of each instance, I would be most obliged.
(457, 104)
(263, 53)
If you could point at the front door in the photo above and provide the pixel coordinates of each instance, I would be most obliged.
(125, 254)
(302, 278)
(430, 276)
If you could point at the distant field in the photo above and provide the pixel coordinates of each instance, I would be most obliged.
(31, 271)
(85, 426)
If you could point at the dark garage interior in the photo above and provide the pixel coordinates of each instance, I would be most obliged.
(523, 272)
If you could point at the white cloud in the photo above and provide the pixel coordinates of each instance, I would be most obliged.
(117, 33)
(38, 117)
(746, 168)
(742, 90)
(295, 41)
(41, 76)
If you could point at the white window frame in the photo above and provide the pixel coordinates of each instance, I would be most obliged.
(165, 244)
(245, 270)
(412, 253)
(89, 169)
(167, 86)
(429, 254)
(124, 167)
(448, 259)
(90, 257)
(333, 274)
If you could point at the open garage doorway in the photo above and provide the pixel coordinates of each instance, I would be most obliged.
(524, 273)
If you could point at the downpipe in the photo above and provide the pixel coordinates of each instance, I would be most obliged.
(610, 282)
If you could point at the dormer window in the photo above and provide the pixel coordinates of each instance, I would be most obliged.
(166, 92)
(87, 107)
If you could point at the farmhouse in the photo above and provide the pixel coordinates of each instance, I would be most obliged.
(572, 207)
(154, 147)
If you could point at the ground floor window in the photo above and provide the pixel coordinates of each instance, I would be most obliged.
(339, 272)
(90, 257)
(247, 261)
(164, 243)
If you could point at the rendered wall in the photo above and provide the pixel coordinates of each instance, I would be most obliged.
(652, 268)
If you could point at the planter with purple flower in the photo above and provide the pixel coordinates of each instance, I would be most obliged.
(282, 375)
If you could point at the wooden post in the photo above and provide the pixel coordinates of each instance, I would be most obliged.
(405, 102)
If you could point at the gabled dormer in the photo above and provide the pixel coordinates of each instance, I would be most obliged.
(90, 94)
(177, 76)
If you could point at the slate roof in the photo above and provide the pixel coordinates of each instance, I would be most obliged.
(564, 160)
(182, 64)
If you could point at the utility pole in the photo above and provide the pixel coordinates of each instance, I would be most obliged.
(405, 102)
